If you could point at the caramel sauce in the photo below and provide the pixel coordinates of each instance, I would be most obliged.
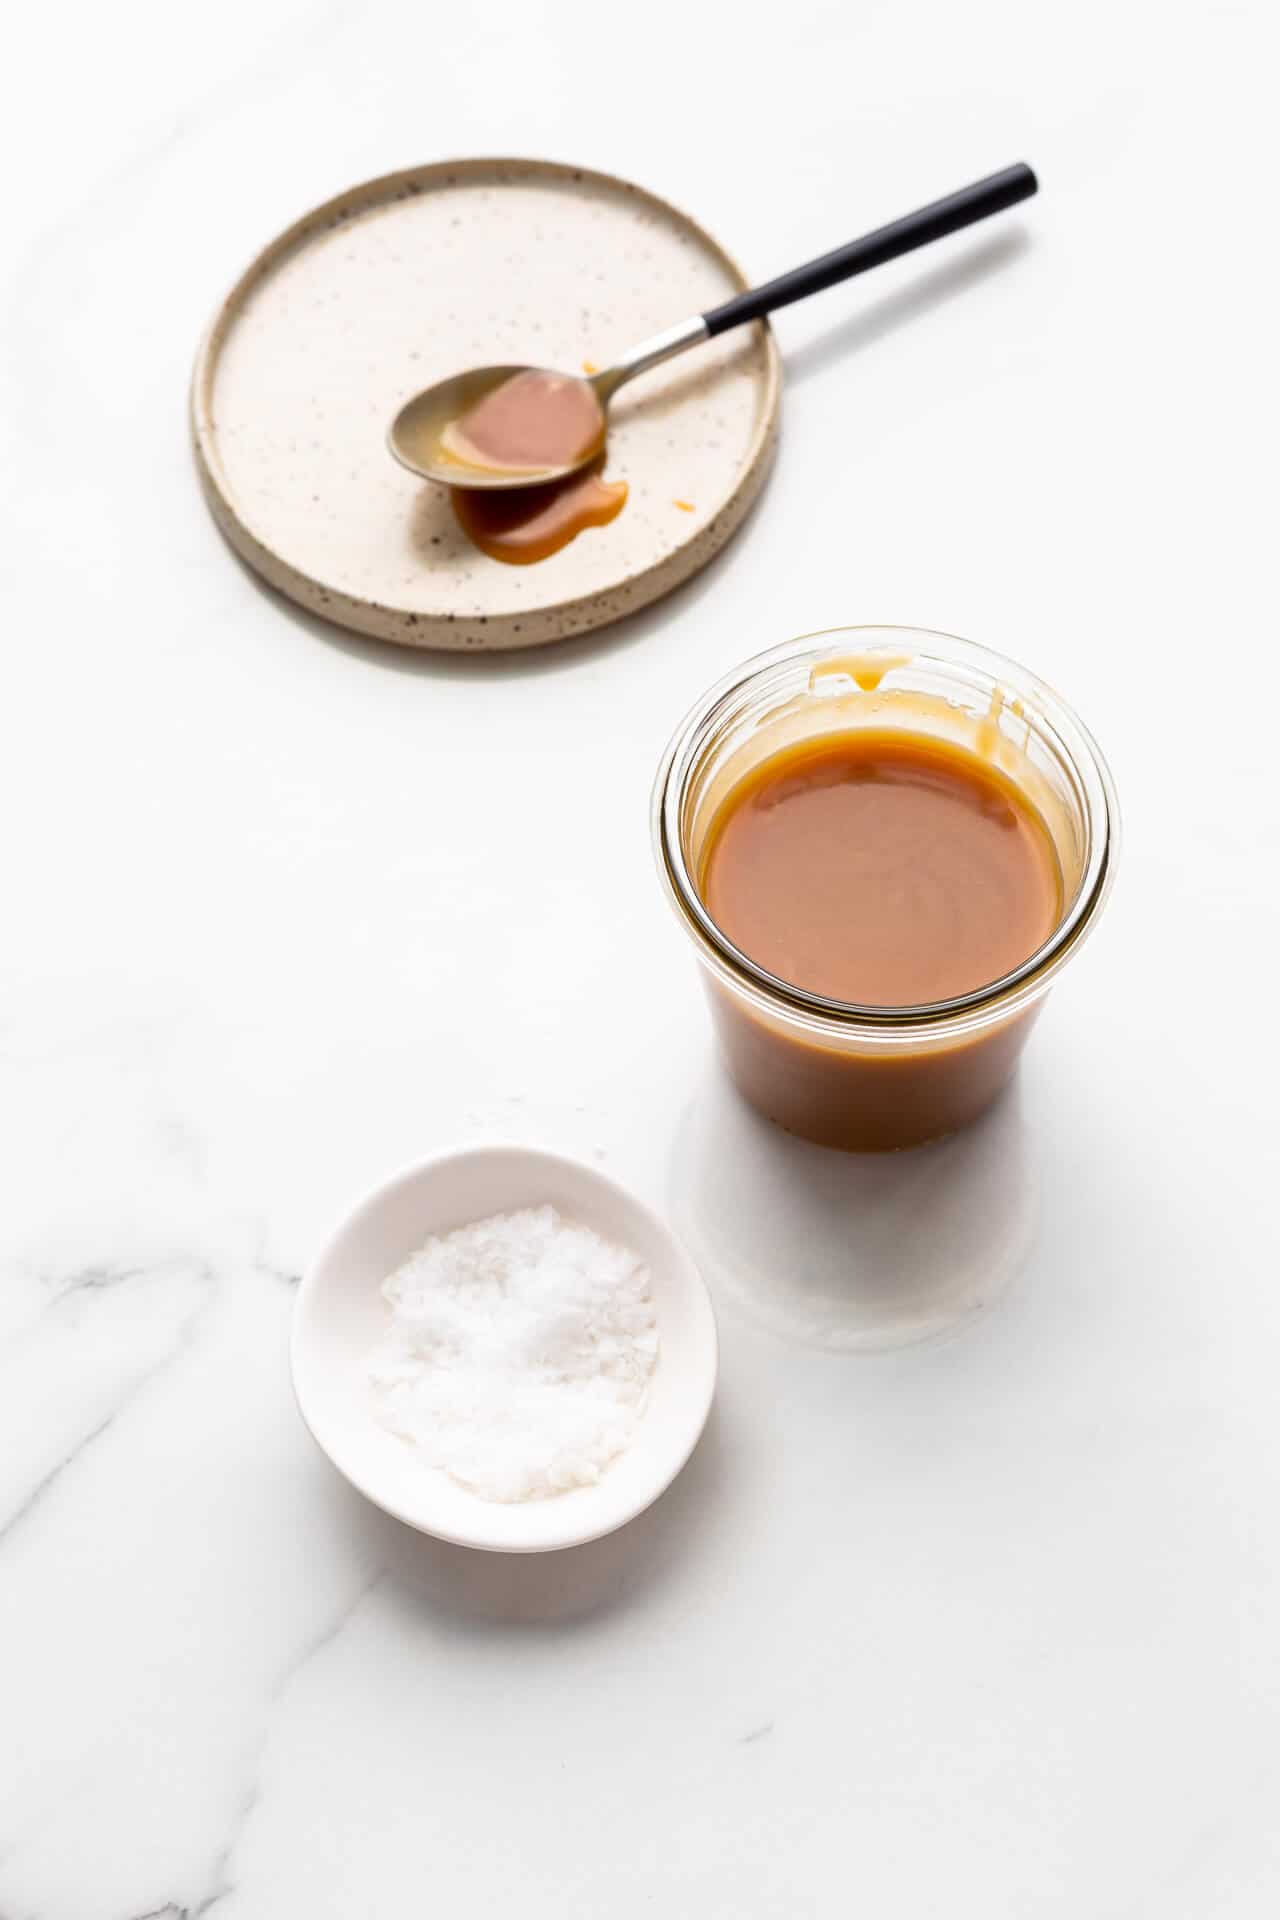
(531, 421)
(881, 868)
(884, 869)
(866, 670)
(859, 1100)
(522, 524)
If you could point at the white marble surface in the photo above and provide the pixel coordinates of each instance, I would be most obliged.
(986, 1628)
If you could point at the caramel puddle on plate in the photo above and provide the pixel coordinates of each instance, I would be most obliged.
(522, 524)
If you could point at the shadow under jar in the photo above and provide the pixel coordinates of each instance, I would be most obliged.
(862, 1076)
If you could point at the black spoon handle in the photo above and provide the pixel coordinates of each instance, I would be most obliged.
(992, 195)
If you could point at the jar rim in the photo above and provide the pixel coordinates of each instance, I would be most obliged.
(999, 998)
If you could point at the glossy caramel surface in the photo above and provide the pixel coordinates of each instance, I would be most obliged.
(881, 868)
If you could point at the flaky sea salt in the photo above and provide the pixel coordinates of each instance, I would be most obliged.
(518, 1354)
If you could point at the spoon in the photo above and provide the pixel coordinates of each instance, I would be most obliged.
(543, 426)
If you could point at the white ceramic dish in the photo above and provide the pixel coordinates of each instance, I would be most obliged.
(340, 1312)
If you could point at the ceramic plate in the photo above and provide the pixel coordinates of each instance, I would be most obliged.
(420, 274)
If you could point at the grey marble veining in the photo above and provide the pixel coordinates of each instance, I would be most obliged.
(985, 1628)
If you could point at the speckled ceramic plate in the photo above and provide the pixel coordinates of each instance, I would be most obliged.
(420, 274)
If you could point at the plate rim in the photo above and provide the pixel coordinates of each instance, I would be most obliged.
(565, 619)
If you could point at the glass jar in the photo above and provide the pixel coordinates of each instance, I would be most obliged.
(864, 1077)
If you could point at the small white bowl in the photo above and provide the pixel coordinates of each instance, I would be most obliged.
(340, 1313)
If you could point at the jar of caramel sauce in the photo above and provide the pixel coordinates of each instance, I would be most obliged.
(885, 845)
